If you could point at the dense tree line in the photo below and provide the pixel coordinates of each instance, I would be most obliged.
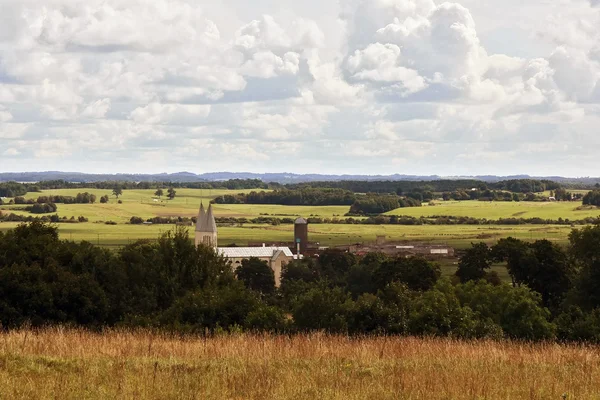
(13, 189)
(376, 220)
(80, 198)
(301, 197)
(5, 217)
(439, 186)
(370, 204)
(170, 284)
(366, 204)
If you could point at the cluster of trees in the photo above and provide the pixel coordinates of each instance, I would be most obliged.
(163, 220)
(45, 208)
(13, 189)
(81, 198)
(373, 204)
(592, 198)
(301, 197)
(170, 193)
(52, 218)
(566, 280)
(171, 284)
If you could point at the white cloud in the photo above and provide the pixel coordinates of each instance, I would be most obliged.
(97, 109)
(11, 152)
(175, 114)
(382, 63)
(416, 85)
(5, 115)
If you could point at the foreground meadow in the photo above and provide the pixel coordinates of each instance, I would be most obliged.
(73, 364)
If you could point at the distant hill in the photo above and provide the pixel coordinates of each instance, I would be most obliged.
(282, 178)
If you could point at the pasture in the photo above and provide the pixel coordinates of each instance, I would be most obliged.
(459, 236)
(501, 209)
(76, 364)
(142, 203)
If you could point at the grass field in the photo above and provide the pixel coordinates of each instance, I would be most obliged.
(70, 364)
(500, 209)
(140, 203)
(326, 234)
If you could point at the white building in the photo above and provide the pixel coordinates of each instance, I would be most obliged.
(206, 234)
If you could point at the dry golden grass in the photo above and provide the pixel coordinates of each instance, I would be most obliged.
(72, 364)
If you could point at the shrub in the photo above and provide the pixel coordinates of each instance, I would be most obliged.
(136, 221)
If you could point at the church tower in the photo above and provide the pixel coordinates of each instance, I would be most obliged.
(206, 227)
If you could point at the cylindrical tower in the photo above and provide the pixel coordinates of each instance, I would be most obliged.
(301, 235)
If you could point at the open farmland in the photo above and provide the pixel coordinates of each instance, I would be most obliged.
(502, 209)
(71, 364)
(326, 234)
(140, 203)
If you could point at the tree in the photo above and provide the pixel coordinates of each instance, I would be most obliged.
(171, 193)
(514, 252)
(104, 199)
(584, 250)
(416, 272)
(159, 193)
(360, 277)
(323, 308)
(592, 198)
(543, 266)
(117, 191)
(256, 275)
(474, 263)
(550, 272)
(335, 264)
(518, 311)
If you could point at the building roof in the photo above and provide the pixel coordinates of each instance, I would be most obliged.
(258, 252)
(206, 221)
(301, 221)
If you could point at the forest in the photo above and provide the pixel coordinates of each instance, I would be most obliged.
(171, 285)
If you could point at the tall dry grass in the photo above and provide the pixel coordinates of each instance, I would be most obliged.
(75, 364)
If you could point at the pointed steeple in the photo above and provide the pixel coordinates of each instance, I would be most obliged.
(200, 219)
(206, 228)
(211, 225)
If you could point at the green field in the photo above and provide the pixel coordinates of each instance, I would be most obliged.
(325, 234)
(500, 209)
(141, 203)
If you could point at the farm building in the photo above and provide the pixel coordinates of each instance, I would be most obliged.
(404, 249)
(206, 233)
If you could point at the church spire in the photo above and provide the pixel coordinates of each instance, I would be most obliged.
(206, 227)
(201, 218)
(211, 225)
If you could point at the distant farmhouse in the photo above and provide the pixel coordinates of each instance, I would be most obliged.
(206, 234)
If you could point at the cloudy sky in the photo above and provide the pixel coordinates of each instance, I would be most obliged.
(312, 86)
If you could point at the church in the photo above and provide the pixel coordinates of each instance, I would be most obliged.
(206, 234)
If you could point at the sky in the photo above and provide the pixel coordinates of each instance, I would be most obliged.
(315, 86)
